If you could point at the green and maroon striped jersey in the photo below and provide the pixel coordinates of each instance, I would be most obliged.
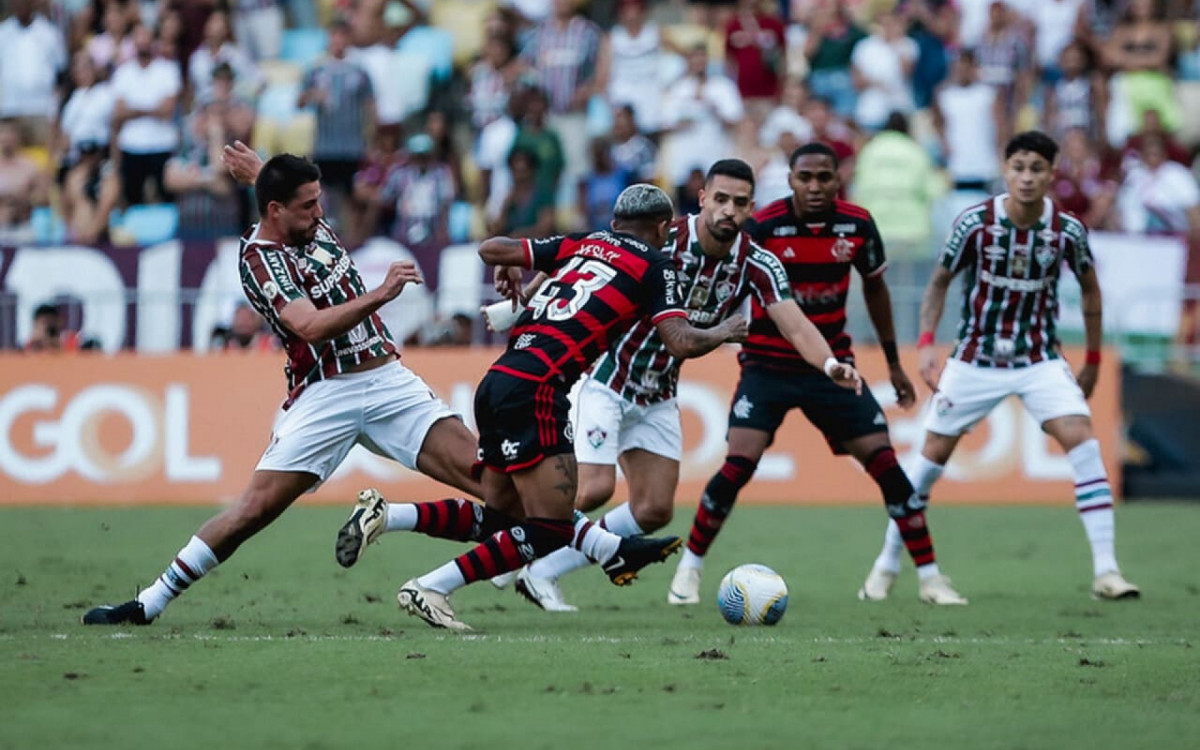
(1010, 299)
(274, 275)
(638, 366)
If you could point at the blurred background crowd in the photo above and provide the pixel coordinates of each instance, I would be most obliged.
(436, 122)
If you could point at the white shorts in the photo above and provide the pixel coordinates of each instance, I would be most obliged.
(966, 394)
(388, 411)
(607, 425)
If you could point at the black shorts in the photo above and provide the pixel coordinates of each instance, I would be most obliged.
(521, 422)
(765, 396)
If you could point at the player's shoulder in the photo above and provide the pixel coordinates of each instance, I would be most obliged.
(1069, 224)
(251, 243)
(756, 253)
(773, 213)
(850, 217)
(975, 216)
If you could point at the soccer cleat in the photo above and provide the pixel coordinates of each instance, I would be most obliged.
(635, 553)
(130, 613)
(543, 592)
(878, 585)
(1112, 585)
(685, 586)
(501, 581)
(429, 605)
(937, 590)
(364, 526)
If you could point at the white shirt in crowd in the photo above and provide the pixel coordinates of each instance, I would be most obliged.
(147, 88)
(888, 89)
(699, 115)
(635, 77)
(1157, 200)
(1054, 22)
(30, 59)
(379, 61)
(491, 153)
(970, 131)
(973, 21)
(87, 116)
(784, 119)
(200, 69)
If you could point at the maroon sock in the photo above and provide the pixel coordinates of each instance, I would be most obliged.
(510, 549)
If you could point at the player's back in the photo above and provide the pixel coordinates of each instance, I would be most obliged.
(600, 284)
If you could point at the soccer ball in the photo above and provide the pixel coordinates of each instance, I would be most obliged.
(752, 595)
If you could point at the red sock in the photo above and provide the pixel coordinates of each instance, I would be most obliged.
(510, 549)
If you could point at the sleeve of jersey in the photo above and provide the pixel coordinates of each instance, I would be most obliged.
(267, 279)
(1079, 254)
(767, 278)
(542, 254)
(956, 252)
(662, 289)
(870, 259)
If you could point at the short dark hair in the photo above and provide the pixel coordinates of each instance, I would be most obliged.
(281, 177)
(46, 308)
(813, 147)
(735, 168)
(1035, 141)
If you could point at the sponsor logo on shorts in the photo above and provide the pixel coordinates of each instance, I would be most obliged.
(509, 449)
(596, 437)
(742, 408)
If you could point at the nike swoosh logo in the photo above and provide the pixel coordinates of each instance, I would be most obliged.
(614, 563)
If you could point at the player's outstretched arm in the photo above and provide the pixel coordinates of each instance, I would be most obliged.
(932, 305)
(314, 325)
(1093, 329)
(243, 162)
(808, 341)
(683, 340)
(879, 307)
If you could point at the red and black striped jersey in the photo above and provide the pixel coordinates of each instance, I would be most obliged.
(322, 272)
(817, 254)
(600, 284)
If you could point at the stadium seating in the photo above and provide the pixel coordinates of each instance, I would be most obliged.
(464, 19)
(145, 225)
(303, 46)
(48, 226)
(436, 45)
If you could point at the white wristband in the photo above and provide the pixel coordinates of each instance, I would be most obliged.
(500, 316)
(830, 364)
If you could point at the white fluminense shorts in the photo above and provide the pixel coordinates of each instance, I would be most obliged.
(388, 411)
(607, 425)
(967, 393)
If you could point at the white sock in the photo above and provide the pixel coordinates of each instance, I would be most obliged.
(189, 566)
(444, 580)
(598, 543)
(621, 522)
(925, 572)
(690, 559)
(1094, 501)
(557, 564)
(893, 545)
(922, 473)
(401, 517)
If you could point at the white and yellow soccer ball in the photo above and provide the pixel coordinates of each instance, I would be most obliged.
(752, 595)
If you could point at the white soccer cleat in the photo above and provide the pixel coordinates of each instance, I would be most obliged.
(937, 590)
(364, 526)
(501, 581)
(429, 605)
(878, 585)
(685, 586)
(543, 592)
(1112, 585)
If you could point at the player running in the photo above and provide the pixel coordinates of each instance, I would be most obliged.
(1012, 248)
(626, 409)
(818, 239)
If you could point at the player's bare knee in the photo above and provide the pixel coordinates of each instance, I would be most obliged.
(653, 515)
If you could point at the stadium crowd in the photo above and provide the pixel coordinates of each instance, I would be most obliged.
(439, 122)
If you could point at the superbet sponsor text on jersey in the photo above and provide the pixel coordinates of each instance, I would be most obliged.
(322, 271)
(601, 283)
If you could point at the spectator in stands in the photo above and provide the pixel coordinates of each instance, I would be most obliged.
(829, 46)
(146, 90)
(23, 185)
(491, 80)
(1095, 24)
(492, 150)
(365, 208)
(258, 27)
(830, 129)
(114, 46)
(687, 195)
(1005, 64)
(1152, 126)
(632, 151)
(234, 114)
(1139, 53)
(1159, 196)
(973, 18)
(933, 24)
(700, 111)
(1053, 24)
(32, 55)
(535, 136)
(218, 48)
(90, 192)
(882, 66)
(420, 194)
(376, 54)
(207, 197)
(87, 115)
(528, 208)
(345, 102)
(1077, 99)
(1083, 183)
(967, 115)
(756, 54)
(632, 53)
(171, 32)
(895, 180)
(47, 334)
(787, 118)
(563, 52)
(246, 332)
(438, 127)
(599, 188)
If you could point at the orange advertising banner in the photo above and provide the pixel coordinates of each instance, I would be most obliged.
(184, 428)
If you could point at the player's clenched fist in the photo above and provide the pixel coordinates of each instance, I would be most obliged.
(398, 274)
(736, 328)
(844, 375)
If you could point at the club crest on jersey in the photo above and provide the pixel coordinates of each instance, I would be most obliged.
(725, 290)
(596, 437)
(1046, 255)
(842, 250)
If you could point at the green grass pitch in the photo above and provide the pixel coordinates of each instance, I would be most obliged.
(281, 648)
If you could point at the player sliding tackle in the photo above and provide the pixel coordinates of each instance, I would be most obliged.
(627, 409)
(598, 286)
(1012, 248)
